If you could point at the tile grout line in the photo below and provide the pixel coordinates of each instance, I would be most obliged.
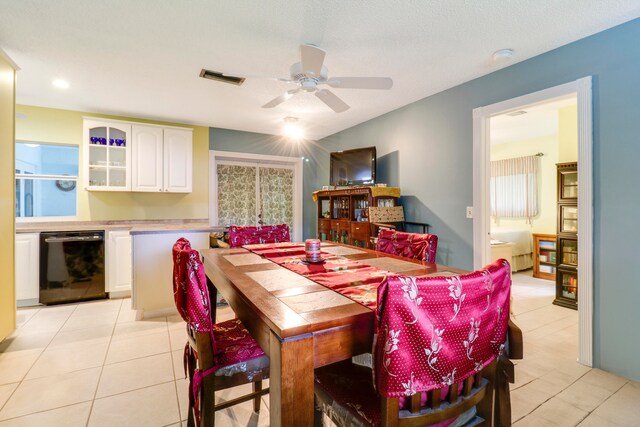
(602, 403)
(103, 364)
(175, 377)
(37, 358)
(551, 397)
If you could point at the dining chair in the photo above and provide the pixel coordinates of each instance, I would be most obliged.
(217, 356)
(248, 235)
(408, 245)
(435, 355)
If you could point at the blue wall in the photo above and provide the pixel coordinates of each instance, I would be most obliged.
(431, 143)
(315, 171)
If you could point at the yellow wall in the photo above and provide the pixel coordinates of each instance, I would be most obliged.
(559, 148)
(7, 197)
(568, 134)
(65, 127)
(545, 221)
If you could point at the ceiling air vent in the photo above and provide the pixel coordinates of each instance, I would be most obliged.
(516, 113)
(214, 75)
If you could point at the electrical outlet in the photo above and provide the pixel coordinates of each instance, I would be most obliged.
(469, 211)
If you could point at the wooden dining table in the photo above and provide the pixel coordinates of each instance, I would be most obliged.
(300, 324)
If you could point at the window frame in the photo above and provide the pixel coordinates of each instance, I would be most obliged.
(47, 177)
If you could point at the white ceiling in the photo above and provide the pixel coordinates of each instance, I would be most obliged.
(539, 121)
(142, 58)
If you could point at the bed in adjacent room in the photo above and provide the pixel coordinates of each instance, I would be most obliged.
(521, 249)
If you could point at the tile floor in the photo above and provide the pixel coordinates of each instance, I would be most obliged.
(92, 364)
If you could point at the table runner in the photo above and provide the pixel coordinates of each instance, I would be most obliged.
(355, 280)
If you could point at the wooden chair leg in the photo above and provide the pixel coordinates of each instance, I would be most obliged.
(504, 376)
(257, 386)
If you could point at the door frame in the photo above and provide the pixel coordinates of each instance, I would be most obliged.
(262, 160)
(481, 200)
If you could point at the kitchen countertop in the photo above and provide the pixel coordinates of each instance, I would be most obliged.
(134, 226)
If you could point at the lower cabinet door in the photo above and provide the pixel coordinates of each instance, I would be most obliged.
(119, 261)
(27, 257)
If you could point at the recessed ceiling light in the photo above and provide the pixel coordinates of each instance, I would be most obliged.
(502, 55)
(60, 84)
(516, 113)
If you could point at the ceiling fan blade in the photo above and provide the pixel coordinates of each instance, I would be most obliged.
(280, 99)
(361, 82)
(312, 59)
(332, 101)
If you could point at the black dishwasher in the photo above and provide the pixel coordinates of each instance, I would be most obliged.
(71, 266)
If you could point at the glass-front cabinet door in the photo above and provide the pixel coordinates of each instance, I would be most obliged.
(107, 156)
(569, 252)
(568, 221)
(567, 292)
(568, 183)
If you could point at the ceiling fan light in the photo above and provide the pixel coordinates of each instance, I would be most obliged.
(293, 131)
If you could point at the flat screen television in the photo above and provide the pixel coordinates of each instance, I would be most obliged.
(353, 167)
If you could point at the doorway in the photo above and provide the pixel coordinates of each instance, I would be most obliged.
(250, 189)
(481, 223)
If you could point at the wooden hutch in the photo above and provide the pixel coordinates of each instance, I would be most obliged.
(343, 214)
(567, 243)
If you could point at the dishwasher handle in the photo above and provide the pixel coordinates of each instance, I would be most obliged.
(94, 238)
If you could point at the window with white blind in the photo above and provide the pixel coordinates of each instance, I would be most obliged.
(514, 187)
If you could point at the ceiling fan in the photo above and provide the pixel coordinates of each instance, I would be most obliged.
(309, 73)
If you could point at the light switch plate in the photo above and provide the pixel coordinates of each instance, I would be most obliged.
(469, 211)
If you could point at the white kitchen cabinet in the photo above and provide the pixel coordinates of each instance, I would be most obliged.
(178, 160)
(27, 277)
(147, 158)
(162, 159)
(107, 155)
(127, 156)
(118, 254)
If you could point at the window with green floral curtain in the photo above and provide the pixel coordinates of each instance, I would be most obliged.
(276, 196)
(236, 195)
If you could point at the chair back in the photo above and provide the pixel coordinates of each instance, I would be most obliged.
(409, 245)
(436, 332)
(249, 235)
(190, 290)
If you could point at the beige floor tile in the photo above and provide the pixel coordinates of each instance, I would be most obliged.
(560, 412)
(52, 392)
(68, 358)
(133, 347)
(26, 341)
(534, 421)
(88, 336)
(23, 315)
(527, 398)
(152, 406)
(178, 364)
(592, 389)
(67, 416)
(45, 320)
(182, 389)
(126, 313)
(178, 337)
(5, 392)
(134, 374)
(83, 321)
(14, 365)
(594, 420)
(623, 408)
(98, 307)
(139, 328)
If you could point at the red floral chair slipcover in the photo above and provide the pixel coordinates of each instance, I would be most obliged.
(408, 245)
(432, 332)
(233, 348)
(250, 235)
